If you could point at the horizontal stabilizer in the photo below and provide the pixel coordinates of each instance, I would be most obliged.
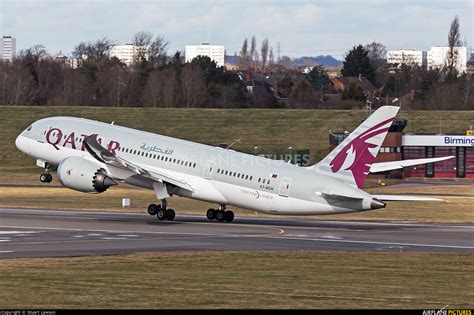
(406, 198)
(388, 166)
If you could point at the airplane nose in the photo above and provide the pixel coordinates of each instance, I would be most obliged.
(17, 142)
(20, 143)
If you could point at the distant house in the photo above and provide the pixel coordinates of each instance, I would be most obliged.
(341, 83)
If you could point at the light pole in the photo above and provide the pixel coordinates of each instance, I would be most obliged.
(291, 156)
(255, 150)
(395, 100)
(369, 106)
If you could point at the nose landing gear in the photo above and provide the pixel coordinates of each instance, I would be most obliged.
(45, 177)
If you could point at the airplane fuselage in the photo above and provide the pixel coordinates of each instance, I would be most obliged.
(215, 174)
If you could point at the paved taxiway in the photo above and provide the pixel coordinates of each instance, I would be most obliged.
(50, 233)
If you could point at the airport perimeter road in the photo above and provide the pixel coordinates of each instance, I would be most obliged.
(50, 233)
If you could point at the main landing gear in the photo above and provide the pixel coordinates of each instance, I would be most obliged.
(161, 212)
(220, 214)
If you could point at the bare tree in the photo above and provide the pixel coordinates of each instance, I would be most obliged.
(264, 53)
(170, 87)
(377, 55)
(94, 52)
(192, 85)
(142, 40)
(17, 85)
(157, 51)
(152, 94)
(253, 50)
(243, 55)
(271, 57)
(454, 42)
(162, 88)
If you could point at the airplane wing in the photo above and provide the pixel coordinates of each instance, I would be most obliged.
(405, 198)
(388, 166)
(104, 156)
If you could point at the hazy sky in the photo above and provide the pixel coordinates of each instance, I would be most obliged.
(301, 27)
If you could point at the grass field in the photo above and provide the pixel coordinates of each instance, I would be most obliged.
(269, 129)
(240, 280)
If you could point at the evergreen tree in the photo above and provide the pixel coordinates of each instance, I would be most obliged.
(318, 77)
(357, 62)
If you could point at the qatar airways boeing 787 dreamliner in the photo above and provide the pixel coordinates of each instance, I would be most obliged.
(92, 156)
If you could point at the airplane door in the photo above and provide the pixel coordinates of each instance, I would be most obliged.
(285, 187)
(208, 168)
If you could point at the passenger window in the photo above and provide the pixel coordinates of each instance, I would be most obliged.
(268, 182)
(251, 177)
(194, 165)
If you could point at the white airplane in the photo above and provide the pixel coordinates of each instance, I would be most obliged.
(92, 156)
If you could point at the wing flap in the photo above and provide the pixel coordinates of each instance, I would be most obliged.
(104, 156)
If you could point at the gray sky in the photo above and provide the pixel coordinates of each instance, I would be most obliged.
(302, 27)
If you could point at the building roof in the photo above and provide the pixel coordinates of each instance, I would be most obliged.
(364, 84)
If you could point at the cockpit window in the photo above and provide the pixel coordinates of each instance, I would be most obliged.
(29, 128)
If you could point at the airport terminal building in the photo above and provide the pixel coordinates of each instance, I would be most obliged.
(427, 146)
(400, 146)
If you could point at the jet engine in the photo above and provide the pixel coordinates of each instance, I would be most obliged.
(83, 175)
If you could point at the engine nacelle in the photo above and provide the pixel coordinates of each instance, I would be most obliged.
(83, 175)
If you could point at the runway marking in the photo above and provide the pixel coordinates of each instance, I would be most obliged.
(376, 243)
(113, 238)
(5, 251)
(69, 213)
(129, 235)
(138, 232)
(5, 240)
(16, 232)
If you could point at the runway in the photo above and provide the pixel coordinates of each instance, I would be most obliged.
(56, 233)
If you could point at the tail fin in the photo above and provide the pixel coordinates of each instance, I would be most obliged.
(351, 160)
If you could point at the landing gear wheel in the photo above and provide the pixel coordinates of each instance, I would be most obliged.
(46, 178)
(220, 214)
(152, 209)
(211, 214)
(170, 214)
(229, 216)
(161, 213)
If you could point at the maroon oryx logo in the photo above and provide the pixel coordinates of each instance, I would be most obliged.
(356, 155)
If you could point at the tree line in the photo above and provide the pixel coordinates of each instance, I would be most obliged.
(422, 87)
(153, 80)
(156, 79)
